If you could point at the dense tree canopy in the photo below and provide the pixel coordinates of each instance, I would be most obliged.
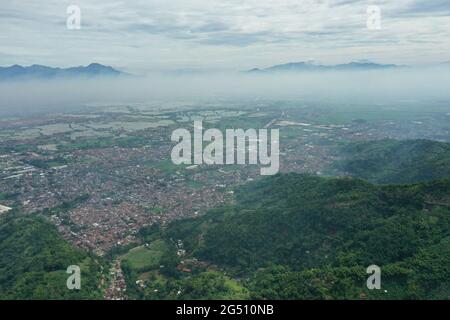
(34, 259)
(303, 237)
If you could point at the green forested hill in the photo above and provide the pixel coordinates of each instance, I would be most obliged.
(303, 237)
(288, 236)
(392, 161)
(34, 259)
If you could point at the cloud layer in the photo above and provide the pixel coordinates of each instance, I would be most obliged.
(147, 35)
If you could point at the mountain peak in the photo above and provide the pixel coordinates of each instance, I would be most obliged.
(37, 71)
(98, 66)
(311, 66)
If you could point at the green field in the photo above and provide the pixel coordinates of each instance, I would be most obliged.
(166, 166)
(146, 257)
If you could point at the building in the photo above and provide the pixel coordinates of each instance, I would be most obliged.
(4, 209)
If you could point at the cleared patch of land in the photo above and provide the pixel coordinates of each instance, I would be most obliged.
(146, 257)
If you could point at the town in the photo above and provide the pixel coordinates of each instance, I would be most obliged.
(101, 176)
(236, 146)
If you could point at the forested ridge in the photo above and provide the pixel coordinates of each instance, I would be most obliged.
(305, 237)
(394, 161)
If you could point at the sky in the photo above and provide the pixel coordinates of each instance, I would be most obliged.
(142, 36)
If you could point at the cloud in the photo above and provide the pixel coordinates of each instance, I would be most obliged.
(425, 7)
(145, 35)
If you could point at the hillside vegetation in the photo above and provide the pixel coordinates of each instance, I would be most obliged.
(392, 161)
(34, 259)
(304, 237)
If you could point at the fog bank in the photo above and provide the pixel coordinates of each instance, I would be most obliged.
(36, 96)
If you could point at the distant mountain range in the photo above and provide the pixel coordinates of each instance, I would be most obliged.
(44, 72)
(306, 66)
(35, 71)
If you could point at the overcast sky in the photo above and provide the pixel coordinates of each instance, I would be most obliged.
(144, 35)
